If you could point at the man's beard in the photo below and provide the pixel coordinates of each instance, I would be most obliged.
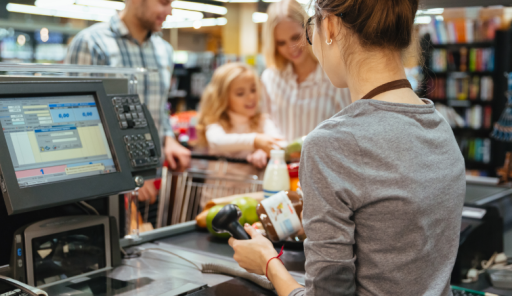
(146, 21)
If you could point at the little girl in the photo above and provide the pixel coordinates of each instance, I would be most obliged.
(230, 121)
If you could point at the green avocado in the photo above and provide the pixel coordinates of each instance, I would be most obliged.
(248, 207)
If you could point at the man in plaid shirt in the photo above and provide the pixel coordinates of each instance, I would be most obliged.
(131, 39)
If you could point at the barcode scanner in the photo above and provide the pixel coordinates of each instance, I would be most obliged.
(226, 220)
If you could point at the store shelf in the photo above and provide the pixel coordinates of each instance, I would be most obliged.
(475, 44)
(484, 73)
(461, 103)
(479, 133)
(475, 165)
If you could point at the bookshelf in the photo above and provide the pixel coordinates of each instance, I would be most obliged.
(469, 77)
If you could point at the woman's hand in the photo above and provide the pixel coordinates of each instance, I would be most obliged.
(258, 159)
(253, 254)
(266, 142)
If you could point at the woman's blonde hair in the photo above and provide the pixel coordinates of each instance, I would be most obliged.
(277, 12)
(215, 100)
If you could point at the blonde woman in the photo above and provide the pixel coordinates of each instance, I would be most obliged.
(299, 95)
(230, 120)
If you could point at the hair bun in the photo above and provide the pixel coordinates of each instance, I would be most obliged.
(377, 23)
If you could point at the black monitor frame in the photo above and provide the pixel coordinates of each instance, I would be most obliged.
(20, 200)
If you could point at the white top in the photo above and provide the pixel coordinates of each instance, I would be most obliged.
(297, 109)
(239, 141)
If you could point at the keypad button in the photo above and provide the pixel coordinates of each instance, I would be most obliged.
(121, 116)
(135, 100)
(147, 136)
(119, 109)
(124, 100)
(141, 115)
(132, 107)
(123, 124)
(138, 108)
(116, 101)
(128, 116)
(126, 108)
(130, 123)
(152, 152)
(134, 137)
(140, 137)
(127, 139)
(134, 115)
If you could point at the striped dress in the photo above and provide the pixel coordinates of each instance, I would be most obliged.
(297, 109)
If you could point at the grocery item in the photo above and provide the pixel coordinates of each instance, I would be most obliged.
(280, 215)
(293, 172)
(294, 149)
(248, 207)
(209, 218)
(276, 174)
(201, 218)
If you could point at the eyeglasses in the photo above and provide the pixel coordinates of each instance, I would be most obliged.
(310, 28)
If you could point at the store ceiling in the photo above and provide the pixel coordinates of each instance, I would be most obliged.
(426, 4)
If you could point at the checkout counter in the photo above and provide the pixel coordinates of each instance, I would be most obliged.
(81, 255)
(66, 142)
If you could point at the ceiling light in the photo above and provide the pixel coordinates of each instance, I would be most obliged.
(196, 25)
(102, 3)
(259, 17)
(66, 12)
(197, 6)
(44, 34)
(430, 11)
(243, 1)
(207, 22)
(184, 15)
(21, 40)
(54, 3)
(422, 20)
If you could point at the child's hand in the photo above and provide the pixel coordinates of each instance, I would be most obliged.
(265, 142)
(258, 158)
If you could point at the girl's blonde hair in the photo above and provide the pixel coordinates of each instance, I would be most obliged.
(277, 12)
(215, 100)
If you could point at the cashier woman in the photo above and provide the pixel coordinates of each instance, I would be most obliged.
(383, 179)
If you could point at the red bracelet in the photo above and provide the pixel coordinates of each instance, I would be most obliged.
(277, 257)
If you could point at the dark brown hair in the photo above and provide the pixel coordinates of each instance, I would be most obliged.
(377, 23)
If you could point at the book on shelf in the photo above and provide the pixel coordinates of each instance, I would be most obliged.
(475, 149)
(460, 60)
(461, 86)
(462, 30)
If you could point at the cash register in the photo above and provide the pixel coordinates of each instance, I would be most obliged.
(65, 142)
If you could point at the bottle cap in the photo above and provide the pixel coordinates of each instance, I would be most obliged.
(293, 170)
(277, 153)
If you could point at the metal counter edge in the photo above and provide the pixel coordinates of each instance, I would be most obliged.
(158, 234)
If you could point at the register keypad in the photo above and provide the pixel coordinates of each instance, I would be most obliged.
(129, 112)
(141, 149)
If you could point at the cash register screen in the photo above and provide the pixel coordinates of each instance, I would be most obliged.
(52, 139)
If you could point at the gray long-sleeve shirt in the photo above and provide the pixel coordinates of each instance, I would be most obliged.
(384, 185)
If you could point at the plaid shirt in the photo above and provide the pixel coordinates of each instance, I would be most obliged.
(111, 44)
